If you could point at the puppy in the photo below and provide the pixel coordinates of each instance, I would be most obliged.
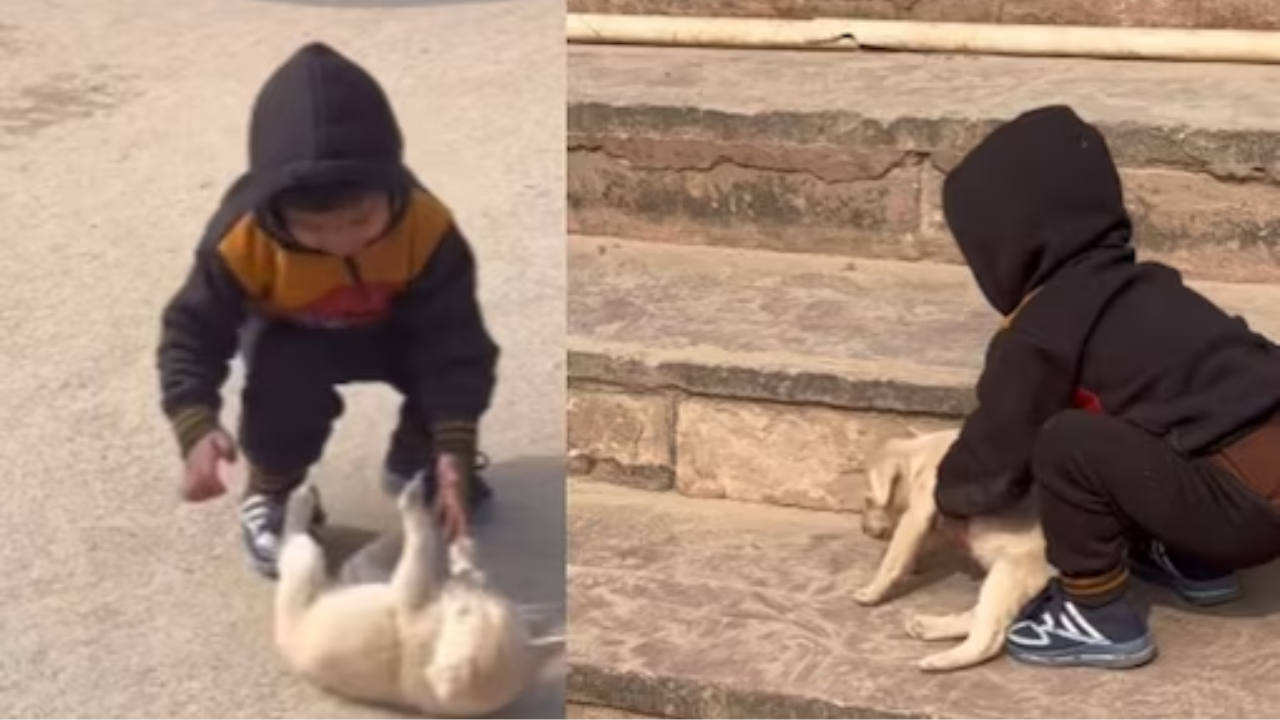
(452, 648)
(1009, 547)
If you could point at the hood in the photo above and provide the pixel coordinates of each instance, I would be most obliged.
(1039, 194)
(320, 117)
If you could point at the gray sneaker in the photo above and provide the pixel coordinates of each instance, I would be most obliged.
(262, 529)
(1155, 563)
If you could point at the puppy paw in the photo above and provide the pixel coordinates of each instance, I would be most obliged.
(965, 655)
(876, 524)
(872, 594)
(937, 627)
(940, 662)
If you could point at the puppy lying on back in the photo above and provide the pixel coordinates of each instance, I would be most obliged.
(452, 648)
(1009, 547)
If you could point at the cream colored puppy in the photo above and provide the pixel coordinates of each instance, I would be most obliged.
(453, 648)
(1010, 547)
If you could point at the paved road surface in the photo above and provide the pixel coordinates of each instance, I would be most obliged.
(120, 123)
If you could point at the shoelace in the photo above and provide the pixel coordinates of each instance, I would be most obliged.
(258, 514)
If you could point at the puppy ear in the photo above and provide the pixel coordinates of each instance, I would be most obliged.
(883, 475)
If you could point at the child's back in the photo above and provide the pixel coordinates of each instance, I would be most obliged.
(1148, 418)
(1038, 213)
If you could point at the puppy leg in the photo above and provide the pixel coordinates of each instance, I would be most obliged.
(954, 626)
(1008, 586)
(901, 554)
(414, 579)
(302, 575)
(300, 511)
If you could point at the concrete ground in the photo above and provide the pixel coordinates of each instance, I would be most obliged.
(707, 608)
(120, 124)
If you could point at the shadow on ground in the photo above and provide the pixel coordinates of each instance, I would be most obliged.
(521, 541)
(1261, 596)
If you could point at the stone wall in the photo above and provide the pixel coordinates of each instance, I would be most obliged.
(1238, 14)
(709, 447)
(1203, 201)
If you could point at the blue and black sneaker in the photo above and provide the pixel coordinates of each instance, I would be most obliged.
(262, 520)
(1152, 561)
(1055, 630)
(404, 464)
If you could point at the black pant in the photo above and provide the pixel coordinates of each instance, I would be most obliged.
(291, 399)
(1102, 481)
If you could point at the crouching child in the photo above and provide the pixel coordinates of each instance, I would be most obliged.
(1145, 419)
(327, 263)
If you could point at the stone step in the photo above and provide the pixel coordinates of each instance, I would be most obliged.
(843, 153)
(715, 609)
(768, 376)
(1236, 14)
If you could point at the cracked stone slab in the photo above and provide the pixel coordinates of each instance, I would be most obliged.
(861, 335)
(839, 153)
(1224, 116)
(703, 608)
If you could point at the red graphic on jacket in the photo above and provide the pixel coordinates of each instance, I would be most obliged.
(348, 306)
(1088, 401)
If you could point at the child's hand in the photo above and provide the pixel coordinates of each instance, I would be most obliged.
(451, 498)
(202, 481)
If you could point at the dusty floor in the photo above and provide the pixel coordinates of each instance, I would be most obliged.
(120, 124)
(669, 595)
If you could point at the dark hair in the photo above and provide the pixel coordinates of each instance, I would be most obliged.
(324, 197)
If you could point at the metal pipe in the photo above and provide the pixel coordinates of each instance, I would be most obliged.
(1239, 46)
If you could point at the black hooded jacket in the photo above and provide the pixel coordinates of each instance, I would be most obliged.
(1038, 213)
(322, 118)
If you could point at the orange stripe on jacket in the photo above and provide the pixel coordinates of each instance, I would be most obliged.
(319, 288)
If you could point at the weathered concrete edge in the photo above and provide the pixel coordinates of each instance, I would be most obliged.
(850, 385)
(1231, 155)
(669, 696)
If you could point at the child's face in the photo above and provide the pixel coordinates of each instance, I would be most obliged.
(344, 231)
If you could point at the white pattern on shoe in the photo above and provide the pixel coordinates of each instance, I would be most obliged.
(1160, 555)
(257, 515)
(1068, 625)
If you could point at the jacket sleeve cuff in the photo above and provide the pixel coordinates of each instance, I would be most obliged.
(457, 438)
(191, 424)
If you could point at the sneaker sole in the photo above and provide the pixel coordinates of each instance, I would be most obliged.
(1198, 596)
(1121, 656)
